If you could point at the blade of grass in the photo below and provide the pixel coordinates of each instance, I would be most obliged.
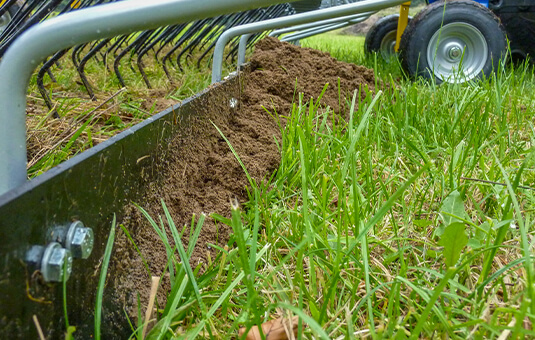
(102, 279)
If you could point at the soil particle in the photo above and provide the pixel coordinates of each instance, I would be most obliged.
(201, 175)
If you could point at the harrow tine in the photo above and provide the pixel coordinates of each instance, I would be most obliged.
(125, 42)
(75, 54)
(39, 15)
(261, 15)
(116, 44)
(161, 39)
(143, 49)
(84, 61)
(6, 6)
(173, 33)
(54, 60)
(17, 19)
(240, 19)
(137, 47)
(40, 85)
(214, 33)
(51, 75)
(196, 41)
(234, 21)
(123, 53)
(182, 39)
(148, 47)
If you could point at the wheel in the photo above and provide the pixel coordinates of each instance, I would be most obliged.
(6, 18)
(381, 37)
(453, 42)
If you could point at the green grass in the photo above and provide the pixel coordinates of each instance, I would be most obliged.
(349, 48)
(409, 219)
(377, 227)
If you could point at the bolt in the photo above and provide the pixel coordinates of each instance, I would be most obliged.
(76, 238)
(233, 102)
(56, 263)
(455, 52)
(79, 240)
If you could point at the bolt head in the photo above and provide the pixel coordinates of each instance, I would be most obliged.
(455, 52)
(56, 264)
(82, 243)
(80, 240)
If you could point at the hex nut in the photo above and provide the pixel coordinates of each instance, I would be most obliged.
(56, 264)
(79, 240)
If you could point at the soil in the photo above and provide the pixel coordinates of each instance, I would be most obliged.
(201, 175)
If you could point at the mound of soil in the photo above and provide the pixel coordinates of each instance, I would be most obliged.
(201, 175)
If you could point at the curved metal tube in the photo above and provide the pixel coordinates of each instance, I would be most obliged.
(242, 48)
(276, 33)
(78, 27)
(313, 29)
(322, 29)
(298, 19)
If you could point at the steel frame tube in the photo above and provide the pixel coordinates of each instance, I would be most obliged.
(322, 29)
(298, 19)
(242, 49)
(74, 28)
(281, 31)
(321, 25)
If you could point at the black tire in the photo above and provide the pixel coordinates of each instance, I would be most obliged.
(442, 39)
(520, 28)
(381, 37)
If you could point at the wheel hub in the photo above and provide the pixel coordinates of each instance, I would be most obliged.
(454, 51)
(457, 52)
(388, 46)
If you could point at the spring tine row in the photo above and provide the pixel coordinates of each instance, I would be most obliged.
(41, 12)
(81, 66)
(173, 45)
(124, 52)
(6, 6)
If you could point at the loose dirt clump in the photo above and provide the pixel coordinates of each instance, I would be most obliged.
(201, 175)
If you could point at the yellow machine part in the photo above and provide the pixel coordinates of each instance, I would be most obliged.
(76, 3)
(402, 22)
(2, 3)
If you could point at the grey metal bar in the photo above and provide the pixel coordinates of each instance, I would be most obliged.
(242, 48)
(281, 31)
(74, 28)
(322, 29)
(351, 19)
(303, 18)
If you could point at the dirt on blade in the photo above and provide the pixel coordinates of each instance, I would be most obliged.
(201, 175)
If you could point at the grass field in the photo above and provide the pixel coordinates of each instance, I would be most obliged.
(413, 219)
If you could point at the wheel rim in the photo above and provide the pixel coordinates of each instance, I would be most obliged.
(388, 45)
(457, 52)
(4, 21)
